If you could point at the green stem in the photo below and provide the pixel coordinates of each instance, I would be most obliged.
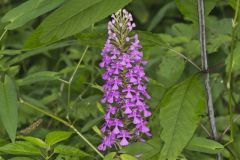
(230, 70)
(71, 79)
(63, 122)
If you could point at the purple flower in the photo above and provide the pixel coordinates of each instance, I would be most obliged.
(125, 91)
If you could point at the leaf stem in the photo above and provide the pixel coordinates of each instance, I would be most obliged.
(230, 70)
(205, 70)
(63, 122)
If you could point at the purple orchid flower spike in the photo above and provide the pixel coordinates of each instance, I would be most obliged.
(125, 91)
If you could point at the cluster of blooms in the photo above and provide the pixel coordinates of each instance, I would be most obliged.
(125, 85)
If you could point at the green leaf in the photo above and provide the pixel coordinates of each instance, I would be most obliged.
(181, 111)
(190, 11)
(23, 56)
(10, 52)
(9, 107)
(80, 111)
(73, 17)
(91, 123)
(160, 15)
(182, 29)
(110, 156)
(140, 11)
(69, 150)
(165, 41)
(127, 157)
(100, 108)
(201, 144)
(147, 150)
(236, 59)
(20, 158)
(36, 141)
(27, 11)
(20, 148)
(97, 130)
(216, 42)
(57, 136)
(38, 77)
(171, 68)
(98, 34)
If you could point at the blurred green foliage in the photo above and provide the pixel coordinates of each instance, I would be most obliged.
(49, 56)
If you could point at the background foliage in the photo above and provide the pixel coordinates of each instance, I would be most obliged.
(50, 82)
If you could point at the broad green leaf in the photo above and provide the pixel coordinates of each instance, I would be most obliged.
(38, 77)
(189, 8)
(36, 141)
(20, 148)
(69, 150)
(201, 144)
(57, 136)
(180, 113)
(27, 11)
(9, 107)
(110, 156)
(127, 157)
(73, 17)
(171, 68)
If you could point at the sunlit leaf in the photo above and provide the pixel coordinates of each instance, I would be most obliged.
(57, 136)
(20, 148)
(34, 140)
(110, 156)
